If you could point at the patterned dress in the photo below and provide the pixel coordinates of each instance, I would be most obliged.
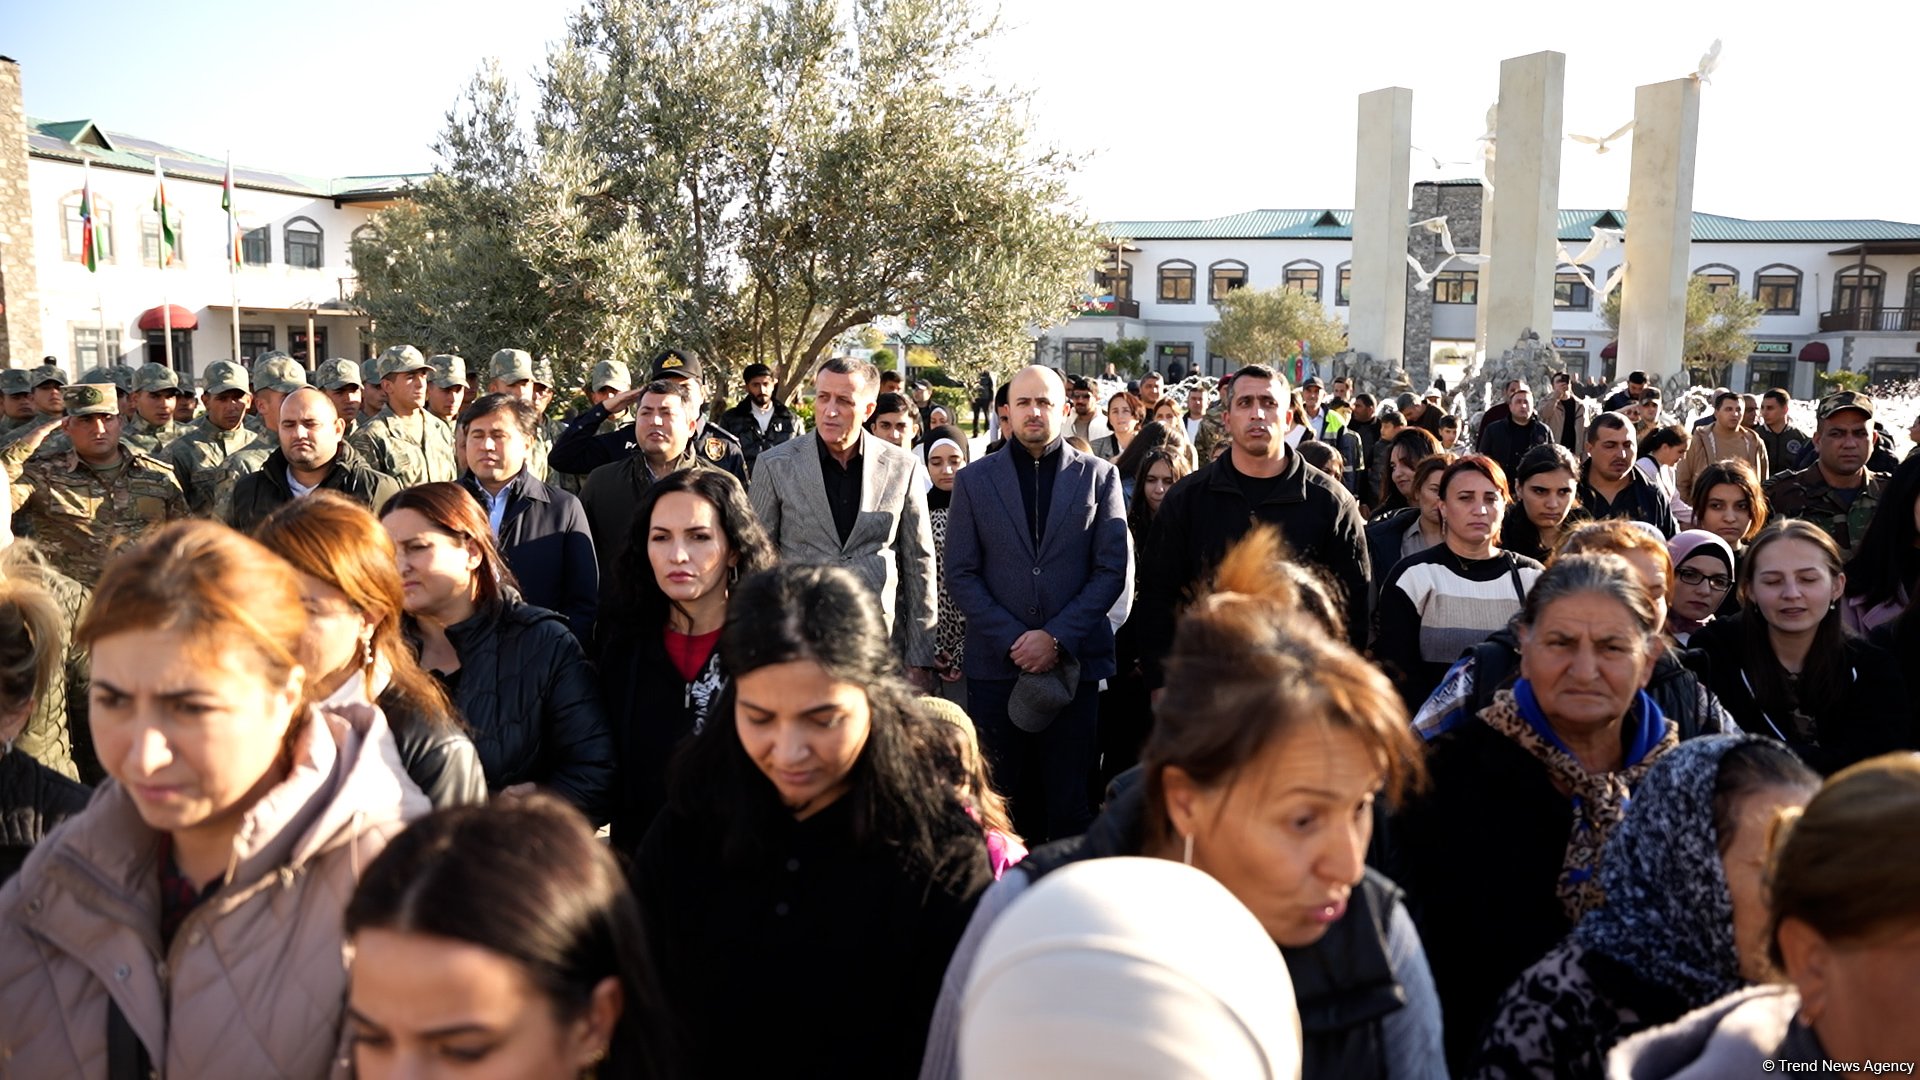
(950, 633)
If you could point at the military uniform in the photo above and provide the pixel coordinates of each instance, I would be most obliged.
(13, 382)
(199, 457)
(79, 514)
(1806, 495)
(56, 734)
(152, 439)
(413, 450)
(35, 378)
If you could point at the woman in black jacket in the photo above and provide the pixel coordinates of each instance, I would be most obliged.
(1409, 530)
(805, 886)
(354, 649)
(1546, 502)
(514, 671)
(1785, 666)
(694, 535)
(33, 798)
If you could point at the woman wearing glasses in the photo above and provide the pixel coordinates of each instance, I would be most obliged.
(1702, 578)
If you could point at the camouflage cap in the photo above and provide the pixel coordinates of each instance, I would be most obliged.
(14, 381)
(90, 399)
(1840, 402)
(279, 372)
(46, 373)
(369, 372)
(224, 375)
(448, 370)
(400, 359)
(336, 374)
(511, 366)
(543, 372)
(155, 377)
(610, 375)
(118, 376)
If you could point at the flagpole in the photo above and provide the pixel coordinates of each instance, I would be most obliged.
(233, 256)
(166, 306)
(99, 293)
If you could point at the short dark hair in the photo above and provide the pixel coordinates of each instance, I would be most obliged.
(858, 370)
(1449, 421)
(1560, 377)
(1365, 399)
(893, 375)
(1662, 437)
(1723, 396)
(525, 416)
(669, 387)
(1257, 371)
(1778, 396)
(1079, 384)
(1606, 421)
(1652, 394)
(1320, 455)
(1638, 377)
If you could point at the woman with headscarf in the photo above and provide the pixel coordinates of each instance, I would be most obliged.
(945, 452)
(1703, 568)
(1685, 918)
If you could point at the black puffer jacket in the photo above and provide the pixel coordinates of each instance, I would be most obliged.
(436, 753)
(258, 494)
(33, 799)
(527, 694)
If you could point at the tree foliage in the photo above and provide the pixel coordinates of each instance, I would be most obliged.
(1128, 356)
(773, 174)
(1266, 326)
(1717, 331)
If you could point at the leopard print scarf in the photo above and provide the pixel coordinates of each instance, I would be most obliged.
(1599, 799)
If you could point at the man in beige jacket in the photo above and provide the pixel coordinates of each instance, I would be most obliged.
(1719, 441)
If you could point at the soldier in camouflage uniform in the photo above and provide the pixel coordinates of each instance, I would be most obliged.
(95, 497)
(447, 388)
(58, 443)
(199, 457)
(373, 396)
(340, 379)
(274, 377)
(44, 384)
(19, 399)
(156, 397)
(405, 441)
(1837, 492)
(258, 421)
(609, 377)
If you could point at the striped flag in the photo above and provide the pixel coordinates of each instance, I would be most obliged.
(89, 243)
(233, 226)
(167, 239)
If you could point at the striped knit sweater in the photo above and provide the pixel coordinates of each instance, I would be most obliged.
(1436, 605)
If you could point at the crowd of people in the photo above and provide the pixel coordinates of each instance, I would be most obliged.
(368, 720)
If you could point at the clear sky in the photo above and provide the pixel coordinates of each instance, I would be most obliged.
(1184, 108)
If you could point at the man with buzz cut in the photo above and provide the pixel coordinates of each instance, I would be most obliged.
(199, 457)
(156, 396)
(405, 441)
(95, 497)
(447, 390)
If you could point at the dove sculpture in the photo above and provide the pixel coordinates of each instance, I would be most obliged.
(1600, 144)
(1708, 61)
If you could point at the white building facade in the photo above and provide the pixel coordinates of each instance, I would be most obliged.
(1836, 294)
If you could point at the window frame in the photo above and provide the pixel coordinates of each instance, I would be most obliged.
(1710, 271)
(154, 342)
(264, 236)
(1343, 284)
(1760, 282)
(1223, 271)
(288, 244)
(1162, 277)
(1298, 270)
(150, 233)
(248, 351)
(1107, 280)
(1466, 277)
(70, 228)
(1853, 277)
(1570, 276)
(1166, 352)
(91, 344)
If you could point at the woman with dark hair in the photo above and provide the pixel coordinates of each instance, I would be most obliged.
(810, 835)
(1158, 470)
(1451, 596)
(1546, 502)
(511, 958)
(1843, 900)
(1499, 857)
(354, 650)
(1729, 502)
(1659, 452)
(1125, 715)
(515, 671)
(694, 537)
(1884, 573)
(1786, 667)
(1154, 435)
(1271, 743)
(1125, 414)
(33, 797)
(1685, 919)
(1404, 533)
(1405, 451)
(944, 452)
(187, 922)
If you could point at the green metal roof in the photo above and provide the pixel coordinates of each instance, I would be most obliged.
(1574, 225)
(55, 139)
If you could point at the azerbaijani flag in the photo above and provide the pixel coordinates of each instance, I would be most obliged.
(233, 226)
(89, 244)
(167, 239)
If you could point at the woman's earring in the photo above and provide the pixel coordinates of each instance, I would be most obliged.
(1187, 856)
(367, 651)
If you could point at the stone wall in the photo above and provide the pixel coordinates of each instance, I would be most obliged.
(1460, 205)
(20, 343)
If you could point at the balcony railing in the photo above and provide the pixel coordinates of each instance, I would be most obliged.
(1879, 319)
(1125, 309)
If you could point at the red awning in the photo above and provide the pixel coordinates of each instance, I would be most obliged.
(156, 318)
(1611, 351)
(1815, 352)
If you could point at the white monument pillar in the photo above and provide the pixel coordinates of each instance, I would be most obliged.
(1653, 303)
(1377, 311)
(1516, 286)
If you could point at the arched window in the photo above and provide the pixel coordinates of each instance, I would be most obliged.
(1857, 289)
(1225, 276)
(1108, 280)
(1176, 282)
(1777, 287)
(70, 227)
(355, 237)
(1719, 277)
(303, 240)
(1913, 300)
(1570, 292)
(1343, 285)
(1303, 276)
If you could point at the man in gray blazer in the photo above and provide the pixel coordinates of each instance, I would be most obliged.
(1037, 553)
(843, 497)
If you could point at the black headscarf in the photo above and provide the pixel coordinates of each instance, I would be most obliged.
(937, 499)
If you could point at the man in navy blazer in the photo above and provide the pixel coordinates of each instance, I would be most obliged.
(1037, 552)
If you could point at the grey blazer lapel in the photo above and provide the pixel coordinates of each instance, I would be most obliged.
(810, 495)
(1069, 490)
(877, 480)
